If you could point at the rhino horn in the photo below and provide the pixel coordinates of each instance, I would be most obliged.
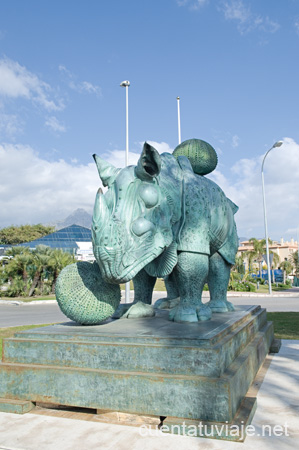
(106, 170)
(101, 211)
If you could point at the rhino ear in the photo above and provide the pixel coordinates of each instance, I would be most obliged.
(106, 171)
(149, 163)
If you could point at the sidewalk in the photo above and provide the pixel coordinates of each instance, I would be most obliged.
(278, 406)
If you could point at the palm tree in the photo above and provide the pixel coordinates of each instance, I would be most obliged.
(40, 263)
(14, 251)
(295, 262)
(287, 268)
(239, 264)
(19, 267)
(57, 261)
(258, 252)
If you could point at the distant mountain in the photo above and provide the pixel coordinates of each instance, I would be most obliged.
(78, 217)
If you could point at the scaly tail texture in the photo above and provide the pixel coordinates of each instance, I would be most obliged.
(83, 296)
(202, 156)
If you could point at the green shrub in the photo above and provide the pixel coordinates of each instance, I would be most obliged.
(16, 288)
(242, 286)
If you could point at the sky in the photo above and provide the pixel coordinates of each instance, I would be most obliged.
(234, 64)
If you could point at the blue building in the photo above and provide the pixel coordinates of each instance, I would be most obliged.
(66, 239)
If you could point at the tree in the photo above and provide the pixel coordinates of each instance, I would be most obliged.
(40, 263)
(57, 261)
(256, 254)
(14, 251)
(239, 264)
(33, 271)
(18, 267)
(14, 235)
(287, 268)
(258, 251)
(295, 262)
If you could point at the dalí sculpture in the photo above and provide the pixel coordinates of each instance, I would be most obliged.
(161, 218)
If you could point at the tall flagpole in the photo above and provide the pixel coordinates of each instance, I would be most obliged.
(179, 120)
(126, 84)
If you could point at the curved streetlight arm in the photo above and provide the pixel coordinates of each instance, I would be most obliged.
(277, 144)
(265, 157)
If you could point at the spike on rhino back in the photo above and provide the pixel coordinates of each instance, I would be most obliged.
(201, 155)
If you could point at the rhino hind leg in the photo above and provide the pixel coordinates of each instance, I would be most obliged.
(191, 273)
(219, 272)
(173, 295)
(143, 291)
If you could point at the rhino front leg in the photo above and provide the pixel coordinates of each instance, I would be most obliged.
(191, 273)
(143, 287)
(219, 272)
(173, 295)
(143, 291)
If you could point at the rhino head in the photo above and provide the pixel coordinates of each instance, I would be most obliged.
(132, 221)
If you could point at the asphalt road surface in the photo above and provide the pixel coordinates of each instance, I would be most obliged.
(12, 315)
(30, 314)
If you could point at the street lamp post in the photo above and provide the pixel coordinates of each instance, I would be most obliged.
(179, 120)
(126, 84)
(277, 144)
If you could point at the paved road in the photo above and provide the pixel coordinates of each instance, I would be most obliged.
(48, 312)
(30, 314)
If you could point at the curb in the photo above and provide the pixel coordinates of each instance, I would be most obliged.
(34, 302)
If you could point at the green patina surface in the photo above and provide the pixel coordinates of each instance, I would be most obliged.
(15, 406)
(207, 355)
(161, 218)
(84, 296)
(148, 366)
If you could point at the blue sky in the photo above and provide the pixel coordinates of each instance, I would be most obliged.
(234, 64)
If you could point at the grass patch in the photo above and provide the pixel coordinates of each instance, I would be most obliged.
(9, 332)
(159, 286)
(286, 324)
(265, 288)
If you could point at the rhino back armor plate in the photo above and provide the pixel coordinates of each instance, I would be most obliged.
(207, 220)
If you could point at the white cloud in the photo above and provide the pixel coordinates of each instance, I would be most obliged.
(81, 87)
(34, 190)
(53, 123)
(193, 4)
(246, 20)
(226, 138)
(281, 174)
(90, 88)
(10, 125)
(235, 141)
(117, 157)
(17, 82)
(161, 147)
(236, 10)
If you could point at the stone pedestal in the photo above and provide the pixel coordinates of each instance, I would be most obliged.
(198, 371)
